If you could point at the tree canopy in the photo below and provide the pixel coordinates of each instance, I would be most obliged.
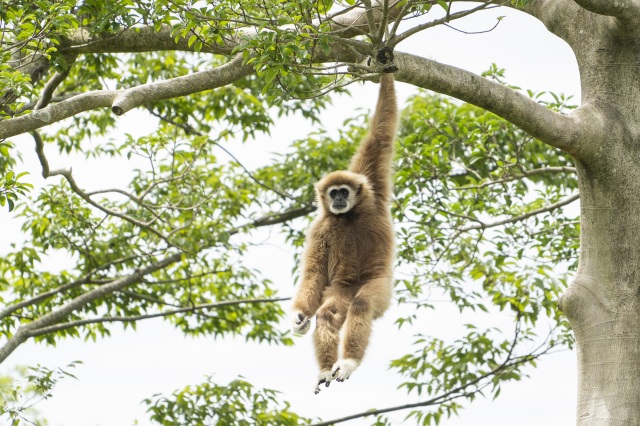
(479, 202)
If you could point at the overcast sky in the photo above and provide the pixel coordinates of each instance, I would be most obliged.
(119, 372)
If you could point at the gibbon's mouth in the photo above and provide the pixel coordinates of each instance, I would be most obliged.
(339, 206)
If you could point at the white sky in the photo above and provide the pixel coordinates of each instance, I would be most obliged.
(119, 372)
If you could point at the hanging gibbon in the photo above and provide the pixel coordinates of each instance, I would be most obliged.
(347, 270)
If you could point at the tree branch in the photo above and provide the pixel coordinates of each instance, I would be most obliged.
(627, 11)
(136, 39)
(181, 86)
(277, 218)
(553, 128)
(22, 334)
(371, 21)
(123, 101)
(50, 87)
(8, 310)
(49, 320)
(73, 324)
(58, 112)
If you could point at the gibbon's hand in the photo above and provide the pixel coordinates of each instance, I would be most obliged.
(301, 323)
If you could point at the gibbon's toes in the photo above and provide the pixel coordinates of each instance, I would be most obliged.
(301, 323)
(342, 369)
(324, 377)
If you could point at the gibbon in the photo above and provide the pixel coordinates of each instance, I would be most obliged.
(347, 272)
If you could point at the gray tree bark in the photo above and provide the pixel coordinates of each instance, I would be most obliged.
(603, 302)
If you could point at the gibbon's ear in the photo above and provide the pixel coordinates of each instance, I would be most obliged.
(359, 189)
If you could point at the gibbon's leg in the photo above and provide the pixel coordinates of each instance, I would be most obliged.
(329, 320)
(371, 301)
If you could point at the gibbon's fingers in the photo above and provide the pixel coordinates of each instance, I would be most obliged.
(301, 323)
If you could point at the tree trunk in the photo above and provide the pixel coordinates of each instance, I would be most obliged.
(603, 302)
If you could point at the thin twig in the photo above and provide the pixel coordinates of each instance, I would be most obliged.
(190, 130)
(414, 30)
(455, 393)
(550, 207)
(526, 173)
(405, 9)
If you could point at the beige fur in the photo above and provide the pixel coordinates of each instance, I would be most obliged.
(348, 261)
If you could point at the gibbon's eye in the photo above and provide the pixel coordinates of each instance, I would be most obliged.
(333, 193)
(344, 192)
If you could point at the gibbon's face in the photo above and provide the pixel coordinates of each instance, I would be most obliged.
(340, 198)
(341, 191)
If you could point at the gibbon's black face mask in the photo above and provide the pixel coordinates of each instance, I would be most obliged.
(339, 198)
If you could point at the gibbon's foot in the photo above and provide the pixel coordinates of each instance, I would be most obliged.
(342, 369)
(325, 377)
(301, 323)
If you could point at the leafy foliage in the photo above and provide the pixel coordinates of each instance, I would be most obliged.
(457, 167)
(237, 403)
(11, 188)
(182, 201)
(18, 396)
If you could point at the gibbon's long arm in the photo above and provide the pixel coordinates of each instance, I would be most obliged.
(375, 155)
(313, 279)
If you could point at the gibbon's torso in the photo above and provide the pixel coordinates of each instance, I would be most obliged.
(357, 246)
